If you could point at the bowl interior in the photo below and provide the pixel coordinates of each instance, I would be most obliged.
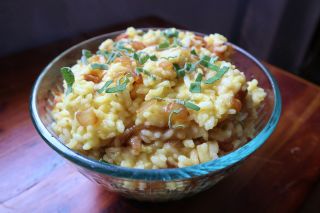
(50, 81)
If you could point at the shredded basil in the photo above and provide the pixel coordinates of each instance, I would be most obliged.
(143, 58)
(190, 67)
(163, 45)
(68, 76)
(193, 52)
(190, 105)
(112, 56)
(120, 46)
(140, 70)
(153, 58)
(99, 66)
(217, 76)
(208, 62)
(104, 53)
(120, 87)
(105, 86)
(195, 87)
(176, 43)
(86, 53)
(170, 33)
(185, 103)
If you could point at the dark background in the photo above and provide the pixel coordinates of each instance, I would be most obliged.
(285, 33)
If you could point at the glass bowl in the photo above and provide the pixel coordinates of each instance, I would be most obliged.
(157, 184)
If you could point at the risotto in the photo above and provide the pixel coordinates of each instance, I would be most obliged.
(156, 99)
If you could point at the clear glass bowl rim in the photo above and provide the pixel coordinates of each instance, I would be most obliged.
(171, 174)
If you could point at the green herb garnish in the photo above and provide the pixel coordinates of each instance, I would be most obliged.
(208, 62)
(171, 33)
(190, 67)
(120, 46)
(193, 52)
(143, 58)
(187, 104)
(153, 58)
(180, 71)
(140, 70)
(68, 76)
(112, 56)
(104, 53)
(195, 87)
(190, 105)
(176, 42)
(120, 87)
(163, 45)
(217, 76)
(99, 66)
(86, 53)
(105, 86)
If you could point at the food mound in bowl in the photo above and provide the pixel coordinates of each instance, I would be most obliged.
(157, 99)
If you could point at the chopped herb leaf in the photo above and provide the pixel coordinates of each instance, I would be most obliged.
(169, 57)
(208, 62)
(171, 33)
(120, 46)
(180, 71)
(68, 76)
(104, 53)
(143, 58)
(86, 53)
(187, 104)
(193, 52)
(105, 86)
(176, 42)
(190, 67)
(176, 66)
(153, 58)
(175, 111)
(195, 87)
(136, 56)
(113, 56)
(199, 77)
(99, 66)
(120, 87)
(139, 70)
(190, 105)
(217, 76)
(163, 45)
(84, 60)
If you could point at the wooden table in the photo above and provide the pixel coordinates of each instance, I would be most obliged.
(282, 176)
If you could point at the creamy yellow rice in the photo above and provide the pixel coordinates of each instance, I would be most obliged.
(148, 124)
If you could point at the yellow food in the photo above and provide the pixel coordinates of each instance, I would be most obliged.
(148, 124)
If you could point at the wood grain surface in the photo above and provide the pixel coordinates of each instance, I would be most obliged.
(279, 177)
